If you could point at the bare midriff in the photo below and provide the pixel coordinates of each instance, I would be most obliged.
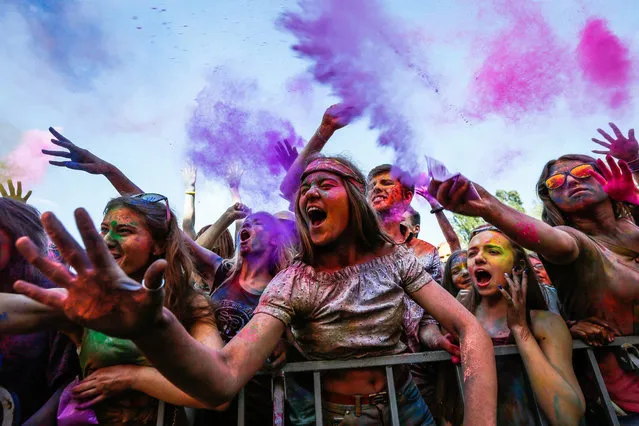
(362, 381)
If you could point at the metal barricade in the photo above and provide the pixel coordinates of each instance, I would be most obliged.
(316, 367)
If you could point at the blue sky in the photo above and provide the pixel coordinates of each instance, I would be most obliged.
(126, 93)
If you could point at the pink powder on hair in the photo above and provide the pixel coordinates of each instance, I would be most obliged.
(604, 61)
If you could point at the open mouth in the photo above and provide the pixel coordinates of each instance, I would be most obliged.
(316, 215)
(378, 198)
(244, 235)
(482, 277)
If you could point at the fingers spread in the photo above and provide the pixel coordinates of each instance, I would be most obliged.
(97, 250)
(602, 143)
(56, 272)
(69, 248)
(64, 154)
(50, 298)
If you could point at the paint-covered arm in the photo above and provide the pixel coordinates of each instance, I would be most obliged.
(188, 219)
(447, 229)
(82, 159)
(556, 245)
(22, 315)
(237, 211)
(477, 354)
(335, 117)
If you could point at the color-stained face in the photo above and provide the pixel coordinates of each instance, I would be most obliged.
(575, 194)
(129, 240)
(489, 258)
(459, 273)
(385, 193)
(325, 207)
(542, 275)
(255, 235)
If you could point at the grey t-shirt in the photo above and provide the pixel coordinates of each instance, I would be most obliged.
(351, 313)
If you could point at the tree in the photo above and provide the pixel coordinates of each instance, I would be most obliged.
(464, 225)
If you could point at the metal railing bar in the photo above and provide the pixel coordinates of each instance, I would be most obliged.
(611, 417)
(240, 408)
(459, 373)
(392, 396)
(317, 390)
(277, 383)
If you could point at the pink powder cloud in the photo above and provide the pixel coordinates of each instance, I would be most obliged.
(25, 162)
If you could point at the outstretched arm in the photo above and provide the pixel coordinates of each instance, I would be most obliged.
(477, 354)
(82, 159)
(556, 245)
(236, 212)
(335, 117)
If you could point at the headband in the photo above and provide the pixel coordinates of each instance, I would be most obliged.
(331, 165)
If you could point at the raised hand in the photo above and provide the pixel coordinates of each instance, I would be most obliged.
(99, 296)
(189, 174)
(622, 148)
(286, 154)
(617, 181)
(234, 175)
(237, 211)
(515, 295)
(79, 158)
(452, 195)
(337, 116)
(13, 193)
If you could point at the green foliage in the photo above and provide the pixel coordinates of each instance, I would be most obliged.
(464, 225)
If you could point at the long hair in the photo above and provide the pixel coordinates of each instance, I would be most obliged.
(363, 219)
(534, 297)
(447, 280)
(280, 256)
(551, 213)
(186, 303)
(223, 246)
(19, 219)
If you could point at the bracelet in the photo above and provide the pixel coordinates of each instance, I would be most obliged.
(437, 210)
(633, 165)
(190, 192)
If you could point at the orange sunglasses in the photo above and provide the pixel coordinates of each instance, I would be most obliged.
(581, 171)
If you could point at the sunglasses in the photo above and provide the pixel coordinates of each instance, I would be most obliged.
(155, 198)
(583, 171)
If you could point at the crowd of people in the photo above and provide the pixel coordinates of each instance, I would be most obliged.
(150, 317)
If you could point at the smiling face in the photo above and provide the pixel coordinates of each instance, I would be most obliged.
(386, 194)
(490, 256)
(129, 240)
(575, 194)
(324, 206)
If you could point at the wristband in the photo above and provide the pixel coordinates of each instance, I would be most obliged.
(633, 165)
(437, 210)
(190, 192)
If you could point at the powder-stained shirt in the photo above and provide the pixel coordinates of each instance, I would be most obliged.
(351, 313)
(603, 282)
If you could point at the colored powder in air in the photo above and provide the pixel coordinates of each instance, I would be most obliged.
(604, 61)
(25, 162)
(526, 67)
(369, 60)
(228, 130)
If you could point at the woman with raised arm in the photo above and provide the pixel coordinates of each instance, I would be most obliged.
(589, 245)
(117, 380)
(342, 300)
(508, 302)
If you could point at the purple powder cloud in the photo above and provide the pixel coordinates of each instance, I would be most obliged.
(227, 130)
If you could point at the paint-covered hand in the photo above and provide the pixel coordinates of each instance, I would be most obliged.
(423, 192)
(13, 192)
(189, 174)
(79, 158)
(594, 331)
(453, 196)
(286, 154)
(617, 181)
(237, 211)
(515, 295)
(99, 296)
(622, 148)
(337, 116)
(234, 175)
(105, 383)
